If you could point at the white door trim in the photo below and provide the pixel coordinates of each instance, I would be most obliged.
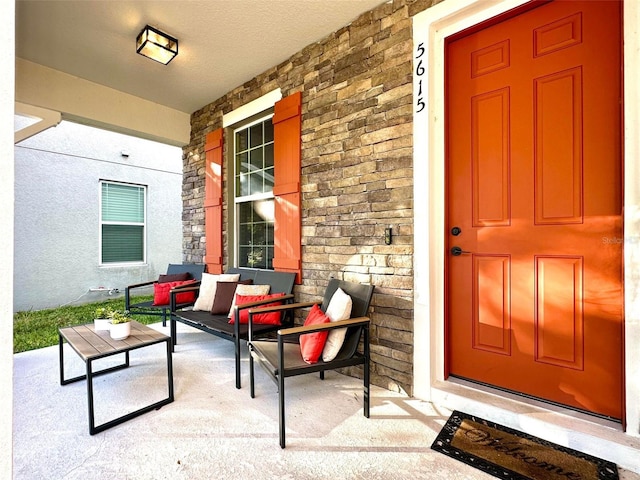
(430, 28)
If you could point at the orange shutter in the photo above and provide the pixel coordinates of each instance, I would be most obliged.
(287, 131)
(213, 201)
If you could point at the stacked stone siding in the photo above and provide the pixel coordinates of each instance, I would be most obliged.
(357, 176)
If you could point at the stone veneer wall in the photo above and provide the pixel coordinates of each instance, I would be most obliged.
(356, 171)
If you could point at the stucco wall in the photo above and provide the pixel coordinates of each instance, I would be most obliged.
(57, 227)
(357, 177)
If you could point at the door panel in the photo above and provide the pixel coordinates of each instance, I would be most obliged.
(492, 319)
(558, 147)
(559, 337)
(490, 158)
(534, 182)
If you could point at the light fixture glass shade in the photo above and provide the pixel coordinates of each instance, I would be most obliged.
(156, 45)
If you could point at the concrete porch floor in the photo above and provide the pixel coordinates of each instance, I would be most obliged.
(213, 430)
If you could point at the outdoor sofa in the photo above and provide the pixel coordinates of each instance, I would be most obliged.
(218, 324)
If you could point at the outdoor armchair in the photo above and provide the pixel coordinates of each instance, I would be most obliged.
(191, 272)
(283, 357)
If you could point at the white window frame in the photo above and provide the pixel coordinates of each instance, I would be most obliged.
(237, 199)
(101, 223)
(232, 120)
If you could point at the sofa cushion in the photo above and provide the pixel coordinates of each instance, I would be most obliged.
(161, 293)
(225, 293)
(270, 318)
(312, 344)
(208, 285)
(339, 309)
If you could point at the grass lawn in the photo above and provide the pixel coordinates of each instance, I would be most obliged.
(38, 329)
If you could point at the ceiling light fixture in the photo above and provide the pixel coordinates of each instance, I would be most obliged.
(156, 45)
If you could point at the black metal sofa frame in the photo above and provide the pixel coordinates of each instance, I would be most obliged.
(218, 325)
(195, 270)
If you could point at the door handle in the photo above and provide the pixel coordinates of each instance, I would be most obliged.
(457, 251)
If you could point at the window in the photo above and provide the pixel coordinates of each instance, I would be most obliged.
(254, 201)
(271, 189)
(122, 223)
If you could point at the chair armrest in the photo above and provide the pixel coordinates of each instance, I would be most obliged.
(185, 288)
(195, 287)
(278, 308)
(350, 322)
(266, 301)
(128, 288)
(137, 285)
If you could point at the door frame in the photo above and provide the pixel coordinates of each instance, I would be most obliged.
(430, 28)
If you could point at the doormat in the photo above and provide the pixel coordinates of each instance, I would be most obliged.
(513, 455)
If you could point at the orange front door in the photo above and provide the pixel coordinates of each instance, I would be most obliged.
(534, 204)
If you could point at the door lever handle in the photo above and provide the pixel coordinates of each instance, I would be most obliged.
(457, 251)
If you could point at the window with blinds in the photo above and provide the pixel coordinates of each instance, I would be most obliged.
(122, 219)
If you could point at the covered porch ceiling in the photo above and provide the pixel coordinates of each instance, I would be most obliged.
(76, 59)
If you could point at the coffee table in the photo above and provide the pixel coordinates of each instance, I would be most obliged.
(91, 346)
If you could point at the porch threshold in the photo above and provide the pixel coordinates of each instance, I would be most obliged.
(589, 434)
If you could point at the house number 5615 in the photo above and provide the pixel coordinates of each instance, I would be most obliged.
(420, 71)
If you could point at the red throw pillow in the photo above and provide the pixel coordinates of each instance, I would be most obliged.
(312, 344)
(161, 293)
(271, 318)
